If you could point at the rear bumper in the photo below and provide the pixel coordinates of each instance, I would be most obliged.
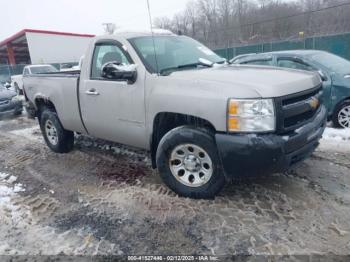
(251, 154)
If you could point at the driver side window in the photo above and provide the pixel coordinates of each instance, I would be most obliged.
(105, 53)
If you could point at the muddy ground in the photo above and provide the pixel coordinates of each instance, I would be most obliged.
(104, 199)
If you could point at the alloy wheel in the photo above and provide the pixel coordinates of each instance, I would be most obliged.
(344, 117)
(191, 165)
(51, 132)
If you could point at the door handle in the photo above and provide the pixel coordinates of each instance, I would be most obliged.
(92, 92)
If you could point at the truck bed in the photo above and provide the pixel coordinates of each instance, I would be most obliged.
(62, 89)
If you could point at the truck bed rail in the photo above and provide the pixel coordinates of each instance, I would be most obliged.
(73, 73)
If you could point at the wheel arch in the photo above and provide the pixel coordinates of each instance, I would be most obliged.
(337, 104)
(41, 102)
(163, 122)
(347, 99)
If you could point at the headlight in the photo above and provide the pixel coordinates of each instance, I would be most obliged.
(251, 115)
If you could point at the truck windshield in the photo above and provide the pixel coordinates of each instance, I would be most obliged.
(43, 69)
(172, 52)
(334, 63)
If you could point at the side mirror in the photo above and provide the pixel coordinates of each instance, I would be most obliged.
(322, 75)
(119, 72)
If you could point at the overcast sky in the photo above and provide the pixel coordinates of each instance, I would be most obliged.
(81, 16)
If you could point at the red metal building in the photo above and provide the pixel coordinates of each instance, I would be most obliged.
(25, 47)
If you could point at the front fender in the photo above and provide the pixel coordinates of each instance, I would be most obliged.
(190, 99)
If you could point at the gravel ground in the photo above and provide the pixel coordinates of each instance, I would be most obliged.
(104, 199)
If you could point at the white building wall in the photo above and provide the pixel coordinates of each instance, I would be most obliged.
(50, 48)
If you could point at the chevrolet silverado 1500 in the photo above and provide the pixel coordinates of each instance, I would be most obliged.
(203, 120)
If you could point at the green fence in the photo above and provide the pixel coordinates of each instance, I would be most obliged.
(336, 44)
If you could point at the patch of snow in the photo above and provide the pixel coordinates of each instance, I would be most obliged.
(18, 188)
(335, 140)
(4, 193)
(32, 133)
(3, 176)
(337, 134)
(8, 191)
(11, 179)
(18, 228)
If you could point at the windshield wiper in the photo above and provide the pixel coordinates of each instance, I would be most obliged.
(201, 62)
(222, 62)
(169, 69)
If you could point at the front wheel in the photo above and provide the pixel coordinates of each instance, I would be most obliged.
(56, 137)
(341, 116)
(188, 163)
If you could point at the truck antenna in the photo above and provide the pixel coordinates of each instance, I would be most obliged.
(154, 45)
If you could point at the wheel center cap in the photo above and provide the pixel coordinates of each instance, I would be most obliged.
(191, 163)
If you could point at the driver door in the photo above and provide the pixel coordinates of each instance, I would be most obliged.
(112, 109)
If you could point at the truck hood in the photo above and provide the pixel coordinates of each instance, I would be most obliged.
(242, 81)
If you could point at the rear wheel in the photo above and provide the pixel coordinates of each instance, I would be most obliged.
(30, 110)
(341, 116)
(188, 163)
(56, 137)
(18, 112)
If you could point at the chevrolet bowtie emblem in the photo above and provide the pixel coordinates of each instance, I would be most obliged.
(314, 102)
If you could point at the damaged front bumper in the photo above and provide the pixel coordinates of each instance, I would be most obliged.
(252, 154)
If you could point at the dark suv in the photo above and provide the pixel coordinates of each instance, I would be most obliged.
(10, 103)
(334, 71)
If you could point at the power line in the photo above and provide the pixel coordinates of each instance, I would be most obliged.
(280, 18)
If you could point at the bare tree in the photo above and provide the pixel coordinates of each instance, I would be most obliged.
(221, 23)
(191, 13)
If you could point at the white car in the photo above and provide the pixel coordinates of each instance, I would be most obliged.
(17, 80)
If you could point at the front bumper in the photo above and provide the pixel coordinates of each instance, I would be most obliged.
(9, 107)
(252, 154)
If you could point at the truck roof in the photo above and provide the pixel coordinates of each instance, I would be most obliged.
(132, 34)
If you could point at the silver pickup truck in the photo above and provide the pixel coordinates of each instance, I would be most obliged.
(203, 120)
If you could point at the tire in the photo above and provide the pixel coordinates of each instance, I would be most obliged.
(50, 124)
(18, 112)
(31, 112)
(340, 113)
(178, 176)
